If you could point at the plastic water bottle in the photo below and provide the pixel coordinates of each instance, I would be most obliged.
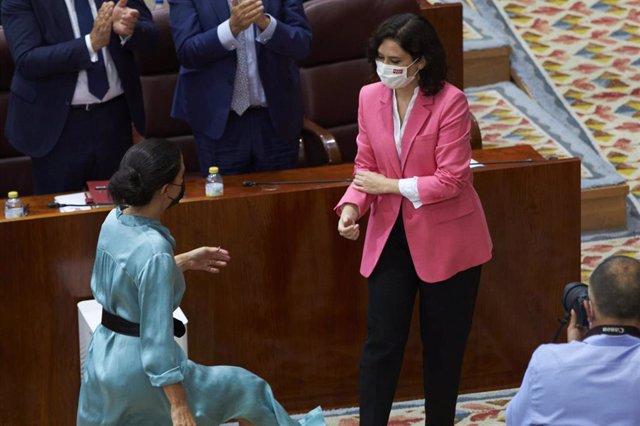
(159, 4)
(13, 207)
(214, 185)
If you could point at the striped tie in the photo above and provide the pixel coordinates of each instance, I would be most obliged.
(240, 101)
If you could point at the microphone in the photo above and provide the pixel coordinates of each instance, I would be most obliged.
(248, 183)
(55, 205)
(528, 160)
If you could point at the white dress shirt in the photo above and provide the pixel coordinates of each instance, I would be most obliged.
(408, 187)
(229, 42)
(82, 95)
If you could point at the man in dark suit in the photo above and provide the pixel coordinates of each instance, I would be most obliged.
(76, 88)
(238, 86)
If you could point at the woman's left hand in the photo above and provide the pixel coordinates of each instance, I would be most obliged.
(374, 183)
(209, 259)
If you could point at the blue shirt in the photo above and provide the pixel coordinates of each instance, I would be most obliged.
(595, 382)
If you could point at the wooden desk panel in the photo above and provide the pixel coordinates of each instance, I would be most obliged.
(447, 21)
(291, 305)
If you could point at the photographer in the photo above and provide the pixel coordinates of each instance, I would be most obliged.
(595, 378)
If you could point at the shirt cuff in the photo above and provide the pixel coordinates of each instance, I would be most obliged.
(92, 54)
(167, 378)
(226, 37)
(264, 36)
(409, 189)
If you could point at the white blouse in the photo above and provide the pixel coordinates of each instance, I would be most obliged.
(409, 186)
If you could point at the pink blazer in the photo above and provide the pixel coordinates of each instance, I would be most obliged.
(448, 233)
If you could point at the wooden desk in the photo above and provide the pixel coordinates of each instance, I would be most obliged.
(291, 305)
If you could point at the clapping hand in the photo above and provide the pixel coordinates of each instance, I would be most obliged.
(245, 13)
(101, 31)
(124, 19)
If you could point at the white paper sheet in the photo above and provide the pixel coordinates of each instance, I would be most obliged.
(76, 198)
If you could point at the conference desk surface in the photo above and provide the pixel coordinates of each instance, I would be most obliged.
(291, 304)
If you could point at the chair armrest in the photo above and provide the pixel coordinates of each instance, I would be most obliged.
(320, 146)
(476, 136)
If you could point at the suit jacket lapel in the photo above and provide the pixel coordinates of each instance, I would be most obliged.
(417, 119)
(60, 15)
(385, 115)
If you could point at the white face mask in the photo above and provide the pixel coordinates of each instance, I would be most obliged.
(393, 76)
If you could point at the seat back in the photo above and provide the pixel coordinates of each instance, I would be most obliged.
(15, 168)
(159, 69)
(332, 75)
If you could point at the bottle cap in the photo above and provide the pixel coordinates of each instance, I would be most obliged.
(213, 169)
(13, 194)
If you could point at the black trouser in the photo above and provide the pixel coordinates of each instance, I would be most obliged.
(90, 147)
(446, 312)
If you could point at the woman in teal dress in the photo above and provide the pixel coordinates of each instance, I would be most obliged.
(135, 373)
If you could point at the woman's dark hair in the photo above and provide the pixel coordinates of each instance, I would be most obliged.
(417, 37)
(145, 168)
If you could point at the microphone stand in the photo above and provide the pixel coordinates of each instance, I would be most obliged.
(55, 205)
(295, 182)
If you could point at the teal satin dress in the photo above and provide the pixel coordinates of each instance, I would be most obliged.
(135, 277)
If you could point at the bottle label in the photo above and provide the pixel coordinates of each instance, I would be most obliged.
(13, 212)
(213, 189)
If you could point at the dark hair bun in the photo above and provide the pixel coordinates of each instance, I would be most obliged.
(126, 187)
(145, 168)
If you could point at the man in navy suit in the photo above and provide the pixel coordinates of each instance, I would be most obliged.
(238, 86)
(76, 88)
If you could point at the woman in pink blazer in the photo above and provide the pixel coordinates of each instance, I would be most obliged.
(427, 232)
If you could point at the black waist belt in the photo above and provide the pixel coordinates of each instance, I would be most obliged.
(122, 326)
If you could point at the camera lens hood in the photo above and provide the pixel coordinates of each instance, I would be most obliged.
(571, 293)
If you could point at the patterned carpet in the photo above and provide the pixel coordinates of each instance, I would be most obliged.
(507, 117)
(581, 60)
(479, 409)
(590, 51)
(587, 52)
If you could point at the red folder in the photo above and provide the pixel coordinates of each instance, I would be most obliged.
(98, 192)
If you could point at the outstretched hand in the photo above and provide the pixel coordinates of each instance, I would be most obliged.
(208, 259)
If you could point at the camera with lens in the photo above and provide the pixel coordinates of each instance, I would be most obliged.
(573, 296)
